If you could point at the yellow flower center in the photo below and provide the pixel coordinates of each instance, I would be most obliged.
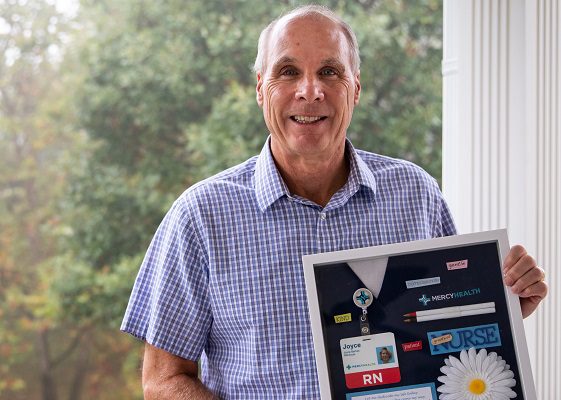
(476, 386)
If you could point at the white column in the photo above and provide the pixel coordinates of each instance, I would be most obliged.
(501, 142)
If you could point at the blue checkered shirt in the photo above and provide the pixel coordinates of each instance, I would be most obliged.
(223, 281)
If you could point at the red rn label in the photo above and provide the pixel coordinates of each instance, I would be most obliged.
(412, 346)
(373, 378)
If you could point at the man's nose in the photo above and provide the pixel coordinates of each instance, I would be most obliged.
(309, 89)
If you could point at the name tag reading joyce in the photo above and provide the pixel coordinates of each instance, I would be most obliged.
(370, 360)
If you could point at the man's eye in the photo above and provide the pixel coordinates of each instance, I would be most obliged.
(288, 71)
(328, 71)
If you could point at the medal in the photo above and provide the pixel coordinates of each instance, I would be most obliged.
(363, 298)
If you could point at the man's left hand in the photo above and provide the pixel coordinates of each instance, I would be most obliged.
(525, 279)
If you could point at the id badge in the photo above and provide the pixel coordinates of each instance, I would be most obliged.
(370, 360)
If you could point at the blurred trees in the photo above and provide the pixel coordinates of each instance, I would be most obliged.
(34, 141)
(105, 119)
(44, 353)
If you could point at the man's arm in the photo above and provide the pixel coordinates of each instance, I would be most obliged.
(167, 376)
(525, 278)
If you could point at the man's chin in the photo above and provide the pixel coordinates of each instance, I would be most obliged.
(311, 146)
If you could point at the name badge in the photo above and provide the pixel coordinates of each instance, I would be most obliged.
(370, 360)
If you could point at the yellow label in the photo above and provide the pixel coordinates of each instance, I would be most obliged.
(441, 339)
(343, 318)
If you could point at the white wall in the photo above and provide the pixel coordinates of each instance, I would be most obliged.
(501, 142)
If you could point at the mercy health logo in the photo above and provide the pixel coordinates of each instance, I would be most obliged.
(478, 337)
(357, 366)
(449, 296)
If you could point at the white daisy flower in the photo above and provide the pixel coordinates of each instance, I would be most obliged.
(476, 376)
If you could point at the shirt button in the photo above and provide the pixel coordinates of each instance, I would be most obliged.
(323, 216)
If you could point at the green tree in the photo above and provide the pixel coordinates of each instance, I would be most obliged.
(401, 104)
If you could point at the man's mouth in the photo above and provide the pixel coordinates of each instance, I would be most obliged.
(302, 119)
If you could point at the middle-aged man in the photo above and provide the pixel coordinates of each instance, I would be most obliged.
(222, 280)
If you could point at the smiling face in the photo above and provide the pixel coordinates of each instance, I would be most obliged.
(385, 355)
(308, 89)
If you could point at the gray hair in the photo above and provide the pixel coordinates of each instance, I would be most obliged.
(304, 11)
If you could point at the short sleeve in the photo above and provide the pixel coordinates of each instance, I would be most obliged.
(169, 305)
(445, 222)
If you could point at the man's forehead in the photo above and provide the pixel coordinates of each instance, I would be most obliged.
(296, 31)
(290, 28)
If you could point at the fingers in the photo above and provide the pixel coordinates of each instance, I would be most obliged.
(525, 279)
(531, 297)
(515, 271)
(515, 253)
(517, 263)
(524, 285)
(537, 291)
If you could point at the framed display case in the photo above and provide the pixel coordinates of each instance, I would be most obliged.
(422, 320)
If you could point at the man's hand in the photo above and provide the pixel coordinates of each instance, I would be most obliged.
(525, 279)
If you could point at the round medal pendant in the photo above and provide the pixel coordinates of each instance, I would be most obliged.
(363, 298)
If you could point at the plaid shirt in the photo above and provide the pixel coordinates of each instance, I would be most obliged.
(223, 281)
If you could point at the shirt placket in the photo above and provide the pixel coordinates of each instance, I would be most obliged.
(323, 231)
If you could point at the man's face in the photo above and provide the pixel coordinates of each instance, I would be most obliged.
(307, 89)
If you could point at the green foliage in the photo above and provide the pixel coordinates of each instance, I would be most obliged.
(32, 141)
(111, 215)
(214, 144)
(82, 294)
(157, 71)
(400, 108)
(39, 143)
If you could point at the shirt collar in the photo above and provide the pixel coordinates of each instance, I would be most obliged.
(360, 174)
(269, 186)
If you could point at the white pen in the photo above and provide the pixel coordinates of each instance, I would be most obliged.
(446, 315)
(450, 309)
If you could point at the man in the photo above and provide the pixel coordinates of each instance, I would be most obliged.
(222, 280)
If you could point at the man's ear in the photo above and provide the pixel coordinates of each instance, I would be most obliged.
(357, 88)
(259, 95)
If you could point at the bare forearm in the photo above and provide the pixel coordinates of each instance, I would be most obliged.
(180, 387)
(167, 376)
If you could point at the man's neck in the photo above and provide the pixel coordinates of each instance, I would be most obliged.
(316, 180)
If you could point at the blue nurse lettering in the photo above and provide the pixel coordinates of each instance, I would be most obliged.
(491, 332)
(464, 338)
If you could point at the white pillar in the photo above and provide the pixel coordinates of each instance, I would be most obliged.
(501, 142)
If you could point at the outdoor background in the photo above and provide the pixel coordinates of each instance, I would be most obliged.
(108, 111)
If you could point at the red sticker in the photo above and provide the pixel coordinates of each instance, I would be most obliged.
(412, 346)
